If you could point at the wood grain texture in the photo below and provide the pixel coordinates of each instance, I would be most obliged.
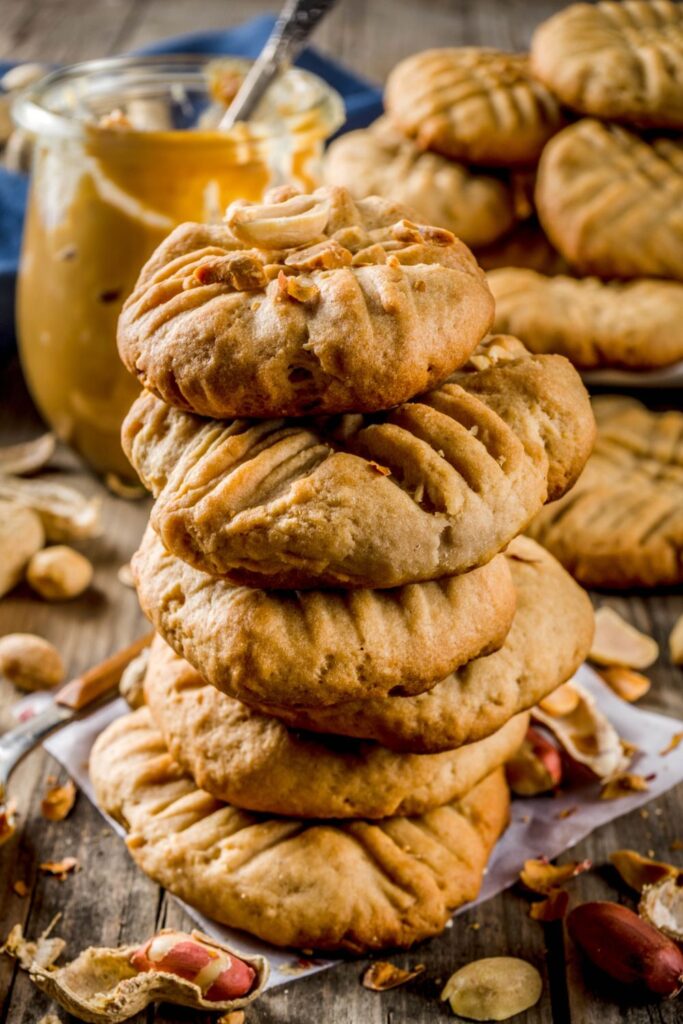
(109, 901)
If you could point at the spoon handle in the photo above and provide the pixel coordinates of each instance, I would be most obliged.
(297, 20)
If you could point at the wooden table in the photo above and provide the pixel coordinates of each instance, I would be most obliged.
(109, 901)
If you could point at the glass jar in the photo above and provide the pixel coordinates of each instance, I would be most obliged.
(124, 150)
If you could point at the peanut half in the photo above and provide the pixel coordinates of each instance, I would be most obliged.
(494, 988)
(59, 573)
(30, 662)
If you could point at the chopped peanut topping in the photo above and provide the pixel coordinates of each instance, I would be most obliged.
(296, 289)
(325, 255)
(371, 255)
(242, 271)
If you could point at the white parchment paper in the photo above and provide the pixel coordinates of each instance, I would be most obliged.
(538, 827)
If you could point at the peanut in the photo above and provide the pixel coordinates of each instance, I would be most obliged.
(21, 535)
(536, 767)
(30, 662)
(494, 988)
(219, 975)
(59, 573)
(299, 220)
(627, 948)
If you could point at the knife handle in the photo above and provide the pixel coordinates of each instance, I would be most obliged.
(78, 693)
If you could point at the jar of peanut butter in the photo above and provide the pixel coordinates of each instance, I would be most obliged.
(124, 150)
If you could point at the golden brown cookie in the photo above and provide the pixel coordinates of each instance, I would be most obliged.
(550, 636)
(621, 525)
(355, 886)
(303, 303)
(633, 325)
(318, 647)
(475, 104)
(526, 245)
(476, 206)
(612, 202)
(430, 489)
(254, 761)
(619, 61)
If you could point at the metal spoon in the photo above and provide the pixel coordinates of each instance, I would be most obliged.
(297, 20)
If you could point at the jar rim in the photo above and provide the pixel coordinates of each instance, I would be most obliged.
(31, 114)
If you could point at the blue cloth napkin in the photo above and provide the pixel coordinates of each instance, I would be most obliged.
(362, 99)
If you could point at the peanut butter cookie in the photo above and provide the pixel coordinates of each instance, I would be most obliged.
(318, 647)
(633, 325)
(476, 206)
(355, 886)
(550, 636)
(621, 525)
(612, 202)
(619, 61)
(432, 488)
(303, 303)
(479, 105)
(254, 761)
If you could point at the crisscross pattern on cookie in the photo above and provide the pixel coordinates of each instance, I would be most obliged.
(318, 647)
(636, 324)
(303, 304)
(254, 761)
(612, 202)
(550, 637)
(479, 105)
(478, 207)
(622, 523)
(430, 489)
(615, 60)
(354, 886)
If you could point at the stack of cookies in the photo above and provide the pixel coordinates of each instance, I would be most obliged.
(350, 631)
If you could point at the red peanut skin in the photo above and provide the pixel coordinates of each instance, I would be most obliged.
(536, 768)
(187, 958)
(626, 947)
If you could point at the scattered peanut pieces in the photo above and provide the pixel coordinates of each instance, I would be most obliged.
(20, 888)
(623, 784)
(381, 976)
(587, 736)
(676, 642)
(58, 801)
(494, 988)
(539, 875)
(561, 701)
(626, 683)
(552, 908)
(617, 642)
(638, 871)
(673, 744)
(59, 868)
